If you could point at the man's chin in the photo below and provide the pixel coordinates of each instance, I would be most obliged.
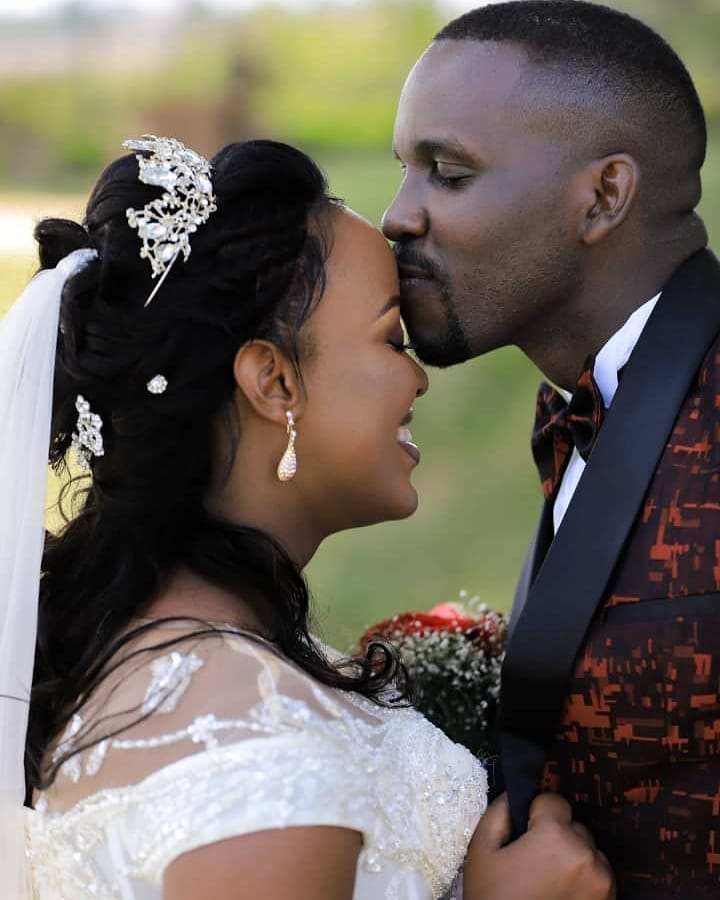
(442, 350)
(435, 332)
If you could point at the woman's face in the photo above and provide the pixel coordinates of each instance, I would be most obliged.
(355, 464)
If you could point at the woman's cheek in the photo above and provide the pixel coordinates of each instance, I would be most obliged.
(354, 411)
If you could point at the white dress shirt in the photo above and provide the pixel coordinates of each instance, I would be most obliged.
(613, 356)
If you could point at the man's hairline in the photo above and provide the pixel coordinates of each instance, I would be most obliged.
(545, 88)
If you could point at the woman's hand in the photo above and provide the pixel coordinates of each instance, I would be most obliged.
(556, 859)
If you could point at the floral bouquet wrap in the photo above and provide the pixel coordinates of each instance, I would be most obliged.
(453, 655)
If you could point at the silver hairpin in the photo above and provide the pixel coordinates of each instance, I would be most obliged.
(87, 441)
(157, 385)
(165, 224)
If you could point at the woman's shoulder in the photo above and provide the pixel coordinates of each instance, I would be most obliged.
(241, 740)
(191, 699)
(174, 691)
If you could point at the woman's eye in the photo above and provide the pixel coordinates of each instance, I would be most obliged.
(400, 346)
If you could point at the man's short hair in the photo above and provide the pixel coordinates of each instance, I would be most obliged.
(630, 62)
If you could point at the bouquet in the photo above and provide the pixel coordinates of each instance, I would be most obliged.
(453, 655)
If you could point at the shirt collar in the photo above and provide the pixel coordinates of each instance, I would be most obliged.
(617, 351)
(615, 354)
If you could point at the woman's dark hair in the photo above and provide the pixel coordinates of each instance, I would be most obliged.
(256, 270)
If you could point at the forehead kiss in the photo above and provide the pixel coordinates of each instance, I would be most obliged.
(483, 210)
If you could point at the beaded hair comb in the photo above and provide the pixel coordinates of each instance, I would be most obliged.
(165, 224)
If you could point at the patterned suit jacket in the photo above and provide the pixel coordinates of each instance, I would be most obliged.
(638, 749)
(638, 752)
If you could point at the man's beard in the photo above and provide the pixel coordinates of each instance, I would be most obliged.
(443, 350)
(439, 349)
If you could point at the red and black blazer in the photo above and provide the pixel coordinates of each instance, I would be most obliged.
(611, 687)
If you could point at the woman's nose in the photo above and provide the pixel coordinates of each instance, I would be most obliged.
(423, 381)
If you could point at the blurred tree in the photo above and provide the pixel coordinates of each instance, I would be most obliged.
(326, 77)
(75, 14)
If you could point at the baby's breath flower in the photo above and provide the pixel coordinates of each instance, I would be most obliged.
(454, 656)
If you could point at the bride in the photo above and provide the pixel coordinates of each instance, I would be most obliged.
(222, 351)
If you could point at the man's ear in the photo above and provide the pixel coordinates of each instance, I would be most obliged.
(269, 381)
(608, 188)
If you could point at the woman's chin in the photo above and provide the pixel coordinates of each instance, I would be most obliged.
(413, 501)
(404, 503)
(400, 502)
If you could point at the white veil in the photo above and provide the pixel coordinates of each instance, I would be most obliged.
(28, 336)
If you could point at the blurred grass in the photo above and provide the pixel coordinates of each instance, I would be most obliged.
(478, 490)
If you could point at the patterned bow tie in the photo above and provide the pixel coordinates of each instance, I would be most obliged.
(560, 426)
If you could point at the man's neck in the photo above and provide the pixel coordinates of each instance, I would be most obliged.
(560, 342)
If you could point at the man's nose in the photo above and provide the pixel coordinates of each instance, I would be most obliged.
(405, 217)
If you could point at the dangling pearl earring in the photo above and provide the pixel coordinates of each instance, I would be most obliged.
(287, 468)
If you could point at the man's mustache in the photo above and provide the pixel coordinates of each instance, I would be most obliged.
(408, 258)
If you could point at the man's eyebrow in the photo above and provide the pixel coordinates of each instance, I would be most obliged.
(429, 148)
(389, 304)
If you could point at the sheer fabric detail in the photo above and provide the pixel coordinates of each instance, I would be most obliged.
(239, 740)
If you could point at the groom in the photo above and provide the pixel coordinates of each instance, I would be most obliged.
(551, 155)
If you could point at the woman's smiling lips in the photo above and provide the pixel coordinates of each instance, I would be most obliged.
(404, 438)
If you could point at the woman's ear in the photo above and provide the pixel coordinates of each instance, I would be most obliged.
(608, 187)
(269, 381)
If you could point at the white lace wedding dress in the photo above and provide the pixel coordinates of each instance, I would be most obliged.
(240, 740)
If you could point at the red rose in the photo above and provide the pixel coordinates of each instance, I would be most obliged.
(445, 617)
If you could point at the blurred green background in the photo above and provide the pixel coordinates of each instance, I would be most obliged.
(76, 78)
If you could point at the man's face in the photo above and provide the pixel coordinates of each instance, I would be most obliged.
(482, 220)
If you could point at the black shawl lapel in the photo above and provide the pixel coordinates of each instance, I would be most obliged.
(536, 554)
(574, 574)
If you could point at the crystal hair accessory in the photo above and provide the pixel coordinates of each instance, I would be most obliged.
(165, 224)
(157, 385)
(87, 441)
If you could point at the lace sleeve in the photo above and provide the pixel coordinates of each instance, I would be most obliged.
(219, 736)
(295, 779)
(237, 740)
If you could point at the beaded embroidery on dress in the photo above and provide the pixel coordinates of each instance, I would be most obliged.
(239, 740)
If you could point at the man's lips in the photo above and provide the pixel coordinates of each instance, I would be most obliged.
(412, 273)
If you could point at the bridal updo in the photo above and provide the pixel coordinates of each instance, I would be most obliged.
(256, 270)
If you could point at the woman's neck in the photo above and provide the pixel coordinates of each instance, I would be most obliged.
(187, 594)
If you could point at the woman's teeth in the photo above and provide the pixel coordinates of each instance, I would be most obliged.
(405, 439)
